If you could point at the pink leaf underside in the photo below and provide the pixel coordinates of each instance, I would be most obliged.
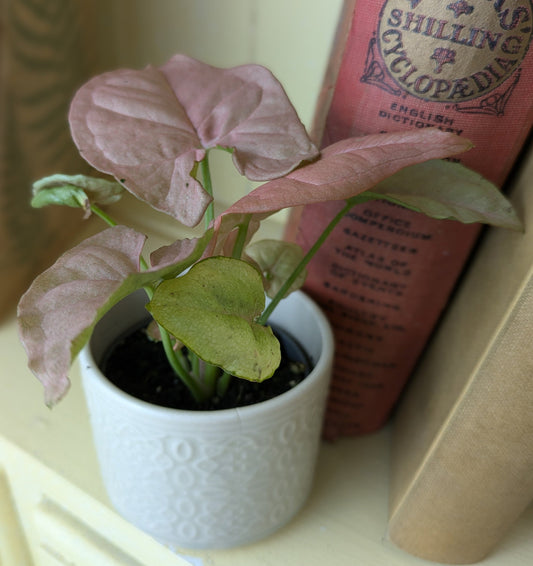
(244, 108)
(59, 310)
(225, 233)
(149, 127)
(63, 301)
(167, 256)
(350, 167)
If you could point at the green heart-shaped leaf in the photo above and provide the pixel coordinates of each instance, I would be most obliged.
(212, 309)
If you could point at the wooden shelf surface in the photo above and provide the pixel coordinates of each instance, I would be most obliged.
(344, 521)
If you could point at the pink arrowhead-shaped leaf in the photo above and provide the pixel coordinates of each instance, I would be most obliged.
(148, 128)
(348, 168)
(63, 301)
(225, 232)
(244, 108)
(129, 124)
(178, 251)
(58, 312)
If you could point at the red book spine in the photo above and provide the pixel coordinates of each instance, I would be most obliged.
(386, 273)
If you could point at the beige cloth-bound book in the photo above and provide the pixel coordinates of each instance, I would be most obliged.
(462, 457)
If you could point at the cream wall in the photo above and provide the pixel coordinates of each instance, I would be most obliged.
(291, 37)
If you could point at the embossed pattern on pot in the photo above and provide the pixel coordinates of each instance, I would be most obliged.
(211, 479)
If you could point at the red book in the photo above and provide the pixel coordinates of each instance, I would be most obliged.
(386, 273)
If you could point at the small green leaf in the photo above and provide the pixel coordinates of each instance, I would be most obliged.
(76, 191)
(277, 260)
(446, 190)
(212, 309)
(65, 195)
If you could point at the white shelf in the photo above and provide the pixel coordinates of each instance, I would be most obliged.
(49, 474)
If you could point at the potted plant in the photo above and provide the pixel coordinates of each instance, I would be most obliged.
(206, 471)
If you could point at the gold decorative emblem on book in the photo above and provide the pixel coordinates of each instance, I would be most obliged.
(445, 52)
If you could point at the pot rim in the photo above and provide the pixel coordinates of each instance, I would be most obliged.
(322, 365)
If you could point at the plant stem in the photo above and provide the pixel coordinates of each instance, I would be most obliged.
(223, 383)
(241, 237)
(350, 203)
(174, 360)
(210, 377)
(110, 222)
(208, 186)
(103, 215)
(172, 357)
(189, 381)
(194, 360)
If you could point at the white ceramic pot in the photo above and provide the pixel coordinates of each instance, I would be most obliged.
(212, 479)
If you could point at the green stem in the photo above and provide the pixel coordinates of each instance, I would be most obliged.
(103, 215)
(110, 222)
(189, 381)
(210, 376)
(223, 383)
(241, 237)
(194, 360)
(174, 360)
(350, 203)
(208, 186)
(172, 357)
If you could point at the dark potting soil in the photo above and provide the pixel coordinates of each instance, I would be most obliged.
(138, 366)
